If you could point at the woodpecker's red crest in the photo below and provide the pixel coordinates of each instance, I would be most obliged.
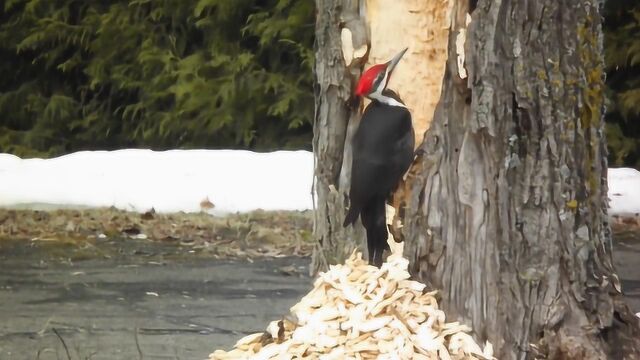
(370, 79)
(375, 79)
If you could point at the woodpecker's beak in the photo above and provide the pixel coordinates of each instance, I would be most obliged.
(396, 59)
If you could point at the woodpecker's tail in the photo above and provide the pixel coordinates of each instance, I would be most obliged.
(374, 221)
(352, 215)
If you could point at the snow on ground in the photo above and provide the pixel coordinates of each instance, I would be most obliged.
(179, 180)
(624, 191)
(168, 181)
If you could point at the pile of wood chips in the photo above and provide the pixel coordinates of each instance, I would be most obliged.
(357, 311)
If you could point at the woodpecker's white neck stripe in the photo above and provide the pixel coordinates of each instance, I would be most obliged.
(377, 94)
(386, 100)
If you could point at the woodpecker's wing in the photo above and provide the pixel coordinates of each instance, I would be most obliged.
(382, 152)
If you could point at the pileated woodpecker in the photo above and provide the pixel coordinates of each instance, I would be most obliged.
(382, 153)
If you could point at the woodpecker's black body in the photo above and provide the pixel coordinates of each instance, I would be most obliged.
(383, 148)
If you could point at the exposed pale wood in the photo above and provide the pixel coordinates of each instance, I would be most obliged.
(423, 27)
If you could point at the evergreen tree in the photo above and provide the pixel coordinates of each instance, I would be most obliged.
(622, 56)
(161, 74)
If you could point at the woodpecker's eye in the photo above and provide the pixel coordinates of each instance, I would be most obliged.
(378, 80)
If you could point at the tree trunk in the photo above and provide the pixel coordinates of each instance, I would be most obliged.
(342, 46)
(348, 35)
(506, 205)
(506, 211)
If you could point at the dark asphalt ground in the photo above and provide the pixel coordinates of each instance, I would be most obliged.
(137, 307)
(148, 303)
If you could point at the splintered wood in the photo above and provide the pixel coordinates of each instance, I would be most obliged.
(423, 27)
(357, 311)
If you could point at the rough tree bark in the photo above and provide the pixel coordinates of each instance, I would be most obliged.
(505, 208)
(336, 118)
(506, 211)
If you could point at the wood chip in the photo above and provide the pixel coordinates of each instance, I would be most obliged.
(357, 311)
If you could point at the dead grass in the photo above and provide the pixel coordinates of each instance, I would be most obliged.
(250, 235)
